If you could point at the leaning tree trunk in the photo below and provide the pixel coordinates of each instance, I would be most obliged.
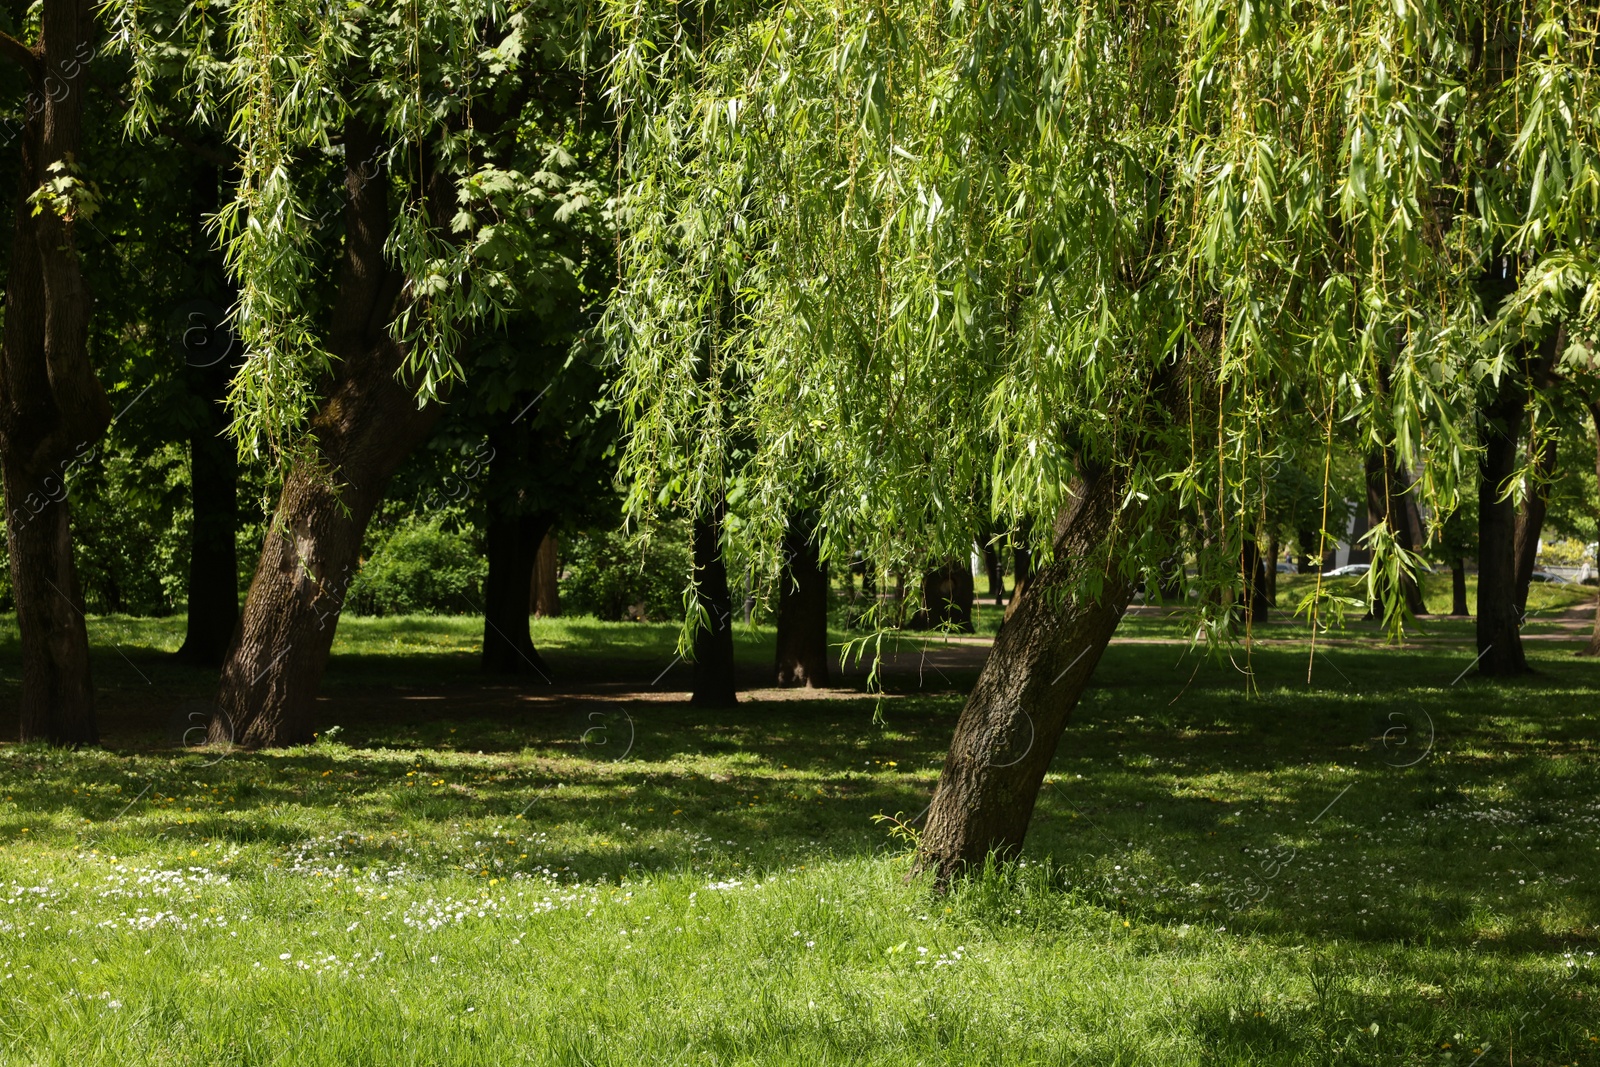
(714, 685)
(1499, 621)
(367, 423)
(1040, 665)
(52, 408)
(802, 645)
(1530, 521)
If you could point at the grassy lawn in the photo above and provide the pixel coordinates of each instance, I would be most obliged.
(1384, 866)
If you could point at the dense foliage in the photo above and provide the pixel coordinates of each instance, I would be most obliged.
(922, 249)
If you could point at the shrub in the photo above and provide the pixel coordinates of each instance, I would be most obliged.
(419, 569)
(607, 575)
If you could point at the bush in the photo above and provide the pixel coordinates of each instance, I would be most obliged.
(608, 576)
(419, 569)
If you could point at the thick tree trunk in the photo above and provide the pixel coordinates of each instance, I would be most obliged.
(367, 424)
(214, 496)
(714, 684)
(545, 596)
(1040, 665)
(512, 544)
(1530, 520)
(1499, 621)
(802, 646)
(52, 408)
(1458, 586)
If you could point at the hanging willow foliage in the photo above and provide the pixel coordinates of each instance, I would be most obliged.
(915, 249)
(454, 89)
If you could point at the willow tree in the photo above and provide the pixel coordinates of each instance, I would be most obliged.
(391, 158)
(1111, 254)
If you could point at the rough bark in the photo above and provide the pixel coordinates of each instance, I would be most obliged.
(802, 642)
(1040, 665)
(52, 408)
(545, 595)
(1498, 631)
(1458, 586)
(714, 684)
(1530, 520)
(367, 423)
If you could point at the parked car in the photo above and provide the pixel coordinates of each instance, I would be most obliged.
(1546, 576)
(1349, 570)
(1285, 567)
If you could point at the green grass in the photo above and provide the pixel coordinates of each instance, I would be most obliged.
(1385, 866)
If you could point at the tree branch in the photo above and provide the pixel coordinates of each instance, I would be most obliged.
(20, 53)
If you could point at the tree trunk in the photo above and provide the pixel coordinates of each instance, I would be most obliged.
(1040, 665)
(545, 596)
(1390, 500)
(946, 598)
(1594, 639)
(802, 647)
(714, 685)
(210, 356)
(1256, 607)
(52, 408)
(1272, 569)
(1499, 636)
(1022, 568)
(995, 573)
(1530, 521)
(512, 543)
(213, 552)
(1358, 529)
(367, 423)
(214, 496)
(1458, 586)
